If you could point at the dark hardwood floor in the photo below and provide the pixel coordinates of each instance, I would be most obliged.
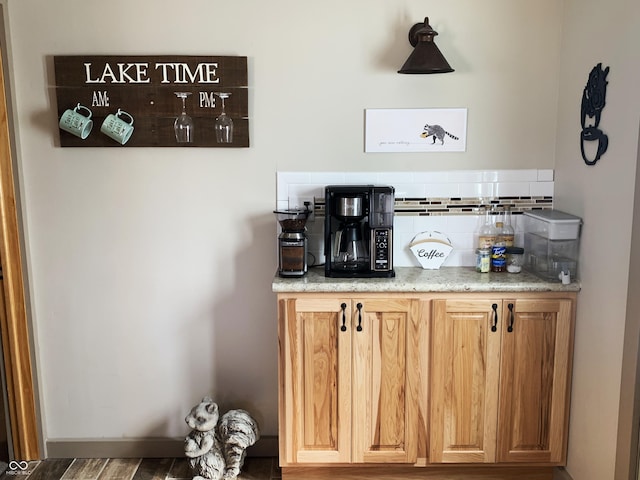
(255, 468)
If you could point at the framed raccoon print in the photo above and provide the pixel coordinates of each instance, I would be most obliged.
(415, 130)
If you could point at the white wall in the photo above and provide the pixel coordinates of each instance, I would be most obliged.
(150, 269)
(603, 195)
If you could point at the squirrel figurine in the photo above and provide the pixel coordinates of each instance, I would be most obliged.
(216, 448)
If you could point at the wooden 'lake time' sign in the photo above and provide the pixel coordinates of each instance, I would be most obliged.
(145, 87)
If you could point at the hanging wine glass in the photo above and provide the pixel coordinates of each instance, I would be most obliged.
(183, 126)
(224, 123)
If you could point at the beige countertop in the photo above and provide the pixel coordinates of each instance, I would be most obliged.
(415, 279)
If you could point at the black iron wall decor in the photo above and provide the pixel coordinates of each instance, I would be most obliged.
(593, 102)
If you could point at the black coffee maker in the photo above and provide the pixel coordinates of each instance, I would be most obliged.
(359, 231)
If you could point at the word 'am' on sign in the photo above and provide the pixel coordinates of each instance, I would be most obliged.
(151, 90)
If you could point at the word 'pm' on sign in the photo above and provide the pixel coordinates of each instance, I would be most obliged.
(150, 90)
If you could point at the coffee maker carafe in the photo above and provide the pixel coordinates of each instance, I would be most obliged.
(358, 231)
(349, 251)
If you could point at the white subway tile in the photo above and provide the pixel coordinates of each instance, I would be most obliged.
(436, 190)
(402, 223)
(328, 178)
(282, 192)
(409, 190)
(542, 189)
(401, 250)
(482, 190)
(490, 176)
(461, 240)
(436, 223)
(467, 176)
(512, 189)
(517, 175)
(305, 190)
(293, 177)
(391, 178)
(363, 178)
(545, 175)
(461, 223)
(431, 177)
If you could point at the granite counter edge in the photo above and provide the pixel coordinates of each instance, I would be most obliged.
(411, 280)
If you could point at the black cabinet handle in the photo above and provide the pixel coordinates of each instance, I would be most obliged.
(359, 307)
(511, 318)
(343, 328)
(494, 327)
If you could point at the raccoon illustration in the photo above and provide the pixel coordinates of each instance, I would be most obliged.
(437, 132)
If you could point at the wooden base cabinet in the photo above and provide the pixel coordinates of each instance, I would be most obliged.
(350, 371)
(500, 380)
(466, 386)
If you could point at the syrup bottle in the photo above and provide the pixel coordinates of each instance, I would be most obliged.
(487, 231)
(507, 233)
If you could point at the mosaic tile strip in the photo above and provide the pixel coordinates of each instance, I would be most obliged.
(456, 205)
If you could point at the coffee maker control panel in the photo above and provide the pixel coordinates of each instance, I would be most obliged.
(382, 250)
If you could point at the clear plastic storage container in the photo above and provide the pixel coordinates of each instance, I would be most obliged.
(551, 243)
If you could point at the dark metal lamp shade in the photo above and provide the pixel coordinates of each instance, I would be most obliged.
(425, 58)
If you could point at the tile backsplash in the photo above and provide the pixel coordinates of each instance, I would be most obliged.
(446, 201)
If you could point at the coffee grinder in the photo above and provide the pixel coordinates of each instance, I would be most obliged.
(292, 242)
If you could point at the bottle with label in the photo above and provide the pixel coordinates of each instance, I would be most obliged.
(506, 233)
(486, 232)
(499, 257)
(483, 260)
(498, 250)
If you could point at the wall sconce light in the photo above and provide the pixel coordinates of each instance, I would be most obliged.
(425, 58)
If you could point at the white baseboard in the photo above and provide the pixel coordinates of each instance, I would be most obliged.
(267, 446)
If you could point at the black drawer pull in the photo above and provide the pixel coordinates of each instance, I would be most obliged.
(359, 307)
(494, 327)
(511, 318)
(343, 328)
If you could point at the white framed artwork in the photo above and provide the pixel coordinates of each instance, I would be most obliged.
(415, 130)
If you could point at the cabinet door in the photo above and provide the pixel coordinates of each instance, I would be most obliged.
(386, 370)
(534, 380)
(316, 416)
(464, 382)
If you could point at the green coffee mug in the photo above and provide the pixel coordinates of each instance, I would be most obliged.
(76, 123)
(116, 128)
